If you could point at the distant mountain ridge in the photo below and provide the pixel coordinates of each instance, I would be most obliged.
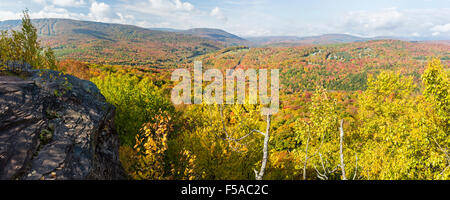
(294, 40)
(46, 27)
(209, 33)
(328, 39)
(107, 43)
(216, 34)
(116, 43)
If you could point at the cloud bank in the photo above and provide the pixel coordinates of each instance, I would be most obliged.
(244, 18)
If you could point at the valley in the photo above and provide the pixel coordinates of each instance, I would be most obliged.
(389, 96)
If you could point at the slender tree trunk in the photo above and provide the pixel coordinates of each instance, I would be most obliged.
(341, 130)
(259, 176)
(306, 155)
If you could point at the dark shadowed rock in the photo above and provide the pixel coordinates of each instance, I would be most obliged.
(55, 126)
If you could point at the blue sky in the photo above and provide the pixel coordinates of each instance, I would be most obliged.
(404, 18)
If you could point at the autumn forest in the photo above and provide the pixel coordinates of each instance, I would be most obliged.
(376, 109)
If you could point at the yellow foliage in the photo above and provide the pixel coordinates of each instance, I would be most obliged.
(151, 145)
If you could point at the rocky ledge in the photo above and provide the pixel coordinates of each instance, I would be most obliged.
(55, 126)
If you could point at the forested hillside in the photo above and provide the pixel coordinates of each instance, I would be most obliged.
(343, 67)
(117, 44)
(297, 41)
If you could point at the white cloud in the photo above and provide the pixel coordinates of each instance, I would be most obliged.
(39, 1)
(172, 13)
(384, 20)
(170, 5)
(66, 3)
(98, 11)
(442, 28)
(217, 13)
(62, 3)
(124, 19)
(101, 12)
(54, 12)
(162, 8)
(394, 22)
(8, 15)
(251, 20)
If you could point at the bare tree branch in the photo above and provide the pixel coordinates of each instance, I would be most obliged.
(320, 175)
(326, 171)
(259, 175)
(445, 151)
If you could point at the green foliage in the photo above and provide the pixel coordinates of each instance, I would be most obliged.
(151, 145)
(437, 90)
(397, 132)
(437, 93)
(385, 110)
(49, 60)
(29, 43)
(395, 129)
(208, 135)
(137, 101)
(23, 46)
(46, 135)
(319, 135)
(393, 132)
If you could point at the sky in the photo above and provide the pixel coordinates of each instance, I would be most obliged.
(249, 18)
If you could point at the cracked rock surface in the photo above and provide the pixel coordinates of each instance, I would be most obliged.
(55, 126)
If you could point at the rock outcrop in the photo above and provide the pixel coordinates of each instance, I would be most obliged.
(55, 126)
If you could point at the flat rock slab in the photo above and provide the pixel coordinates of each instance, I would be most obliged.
(55, 126)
